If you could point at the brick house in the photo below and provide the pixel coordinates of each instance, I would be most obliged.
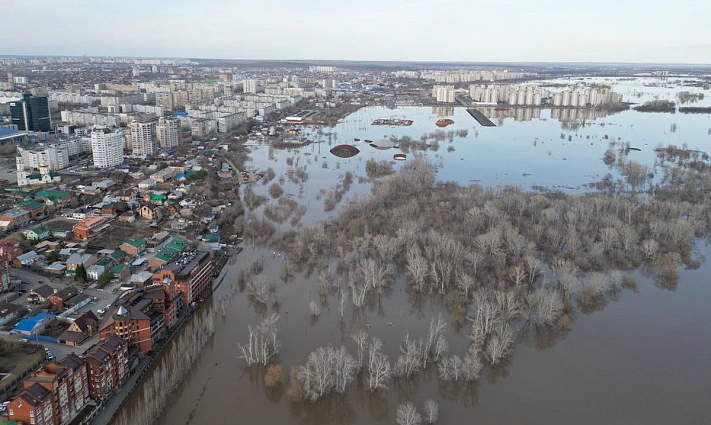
(133, 247)
(59, 298)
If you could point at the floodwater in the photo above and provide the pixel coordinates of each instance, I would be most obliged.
(642, 359)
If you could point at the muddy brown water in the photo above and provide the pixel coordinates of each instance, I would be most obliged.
(643, 359)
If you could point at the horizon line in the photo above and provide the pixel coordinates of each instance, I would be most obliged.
(425, 61)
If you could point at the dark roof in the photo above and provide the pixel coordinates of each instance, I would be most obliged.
(67, 293)
(7, 309)
(34, 394)
(72, 361)
(44, 291)
(184, 264)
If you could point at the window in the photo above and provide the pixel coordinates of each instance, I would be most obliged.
(11, 412)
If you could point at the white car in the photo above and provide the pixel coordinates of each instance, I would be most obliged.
(22, 340)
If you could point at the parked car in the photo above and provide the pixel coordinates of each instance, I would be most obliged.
(24, 340)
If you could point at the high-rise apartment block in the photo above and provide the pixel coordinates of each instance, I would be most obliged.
(249, 86)
(107, 146)
(143, 137)
(31, 113)
(168, 131)
(443, 94)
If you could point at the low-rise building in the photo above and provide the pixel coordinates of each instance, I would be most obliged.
(134, 247)
(13, 218)
(87, 227)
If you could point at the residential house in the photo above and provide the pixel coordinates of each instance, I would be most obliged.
(14, 218)
(10, 312)
(146, 184)
(60, 297)
(75, 259)
(58, 198)
(150, 211)
(26, 259)
(127, 217)
(10, 249)
(108, 209)
(107, 367)
(95, 271)
(42, 293)
(120, 272)
(81, 329)
(125, 195)
(37, 233)
(133, 247)
(36, 209)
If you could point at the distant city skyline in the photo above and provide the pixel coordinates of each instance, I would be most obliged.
(649, 31)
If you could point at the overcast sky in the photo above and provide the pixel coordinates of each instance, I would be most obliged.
(412, 30)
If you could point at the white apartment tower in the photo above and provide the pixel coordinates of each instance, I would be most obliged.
(168, 131)
(143, 138)
(249, 86)
(107, 146)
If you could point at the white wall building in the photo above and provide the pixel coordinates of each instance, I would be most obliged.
(249, 86)
(143, 138)
(107, 147)
(168, 132)
(55, 157)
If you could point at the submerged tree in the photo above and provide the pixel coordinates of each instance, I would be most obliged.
(407, 415)
(262, 343)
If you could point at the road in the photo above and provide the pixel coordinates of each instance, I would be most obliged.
(103, 298)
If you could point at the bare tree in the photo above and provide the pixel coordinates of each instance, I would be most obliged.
(410, 359)
(501, 344)
(407, 415)
(314, 309)
(262, 343)
(360, 337)
(326, 369)
(431, 411)
(417, 269)
(379, 371)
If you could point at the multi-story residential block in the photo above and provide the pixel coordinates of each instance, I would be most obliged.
(53, 395)
(142, 316)
(107, 367)
(168, 130)
(55, 156)
(143, 137)
(107, 146)
(191, 273)
(443, 94)
(165, 100)
(249, 86)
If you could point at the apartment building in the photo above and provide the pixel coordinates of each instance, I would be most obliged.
(107, 367)
(107, 146)
(53, 395)
(191, 273)
(143, 136)
(168, 132)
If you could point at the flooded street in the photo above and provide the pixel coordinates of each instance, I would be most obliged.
(640, 358)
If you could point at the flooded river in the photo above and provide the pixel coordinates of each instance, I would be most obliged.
(639, 359)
